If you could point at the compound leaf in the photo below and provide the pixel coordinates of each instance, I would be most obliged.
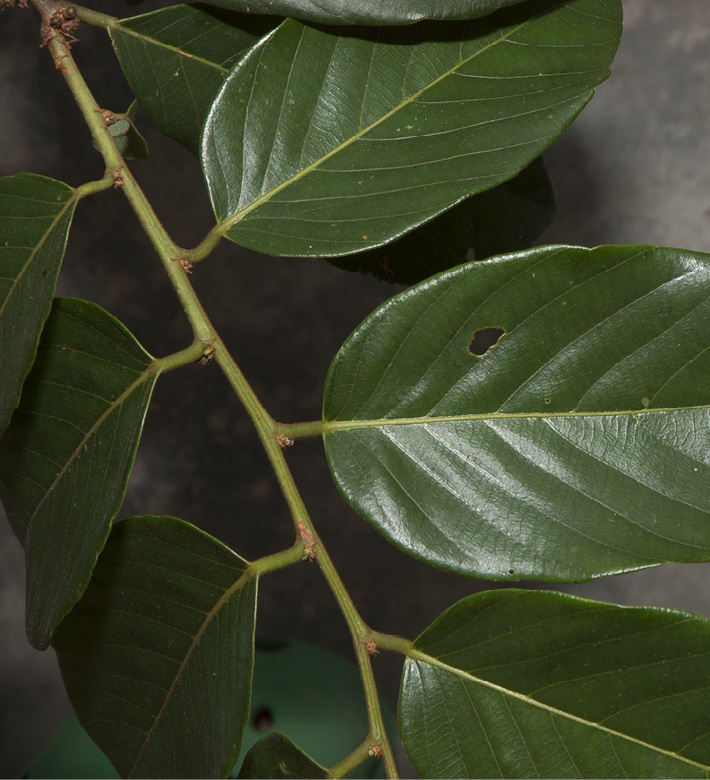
(66, 456)
(35, 215)
(383, 12)
(532, 684)
(275, 756)
(508, 217)
(176, 59)
(157, 657)
(575, 447)
(401, 123)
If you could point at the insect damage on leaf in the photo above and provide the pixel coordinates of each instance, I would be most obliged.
(485, 338)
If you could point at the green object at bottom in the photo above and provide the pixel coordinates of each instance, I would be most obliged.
(311, 695)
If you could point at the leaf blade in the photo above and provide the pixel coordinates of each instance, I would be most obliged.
(402, 124)
(176, 58)
(35, 216)
(66, 456)
(368, 11)
(551, 705)
(155, 649)
(572, 449)
(500, 220)
(276, 756)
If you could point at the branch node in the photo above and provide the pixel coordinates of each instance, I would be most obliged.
(371, 646)
(62, 21)
(308, 542)
(283, 440)
(117, 178)
(186, 263)
(207, 354)
(375, 750)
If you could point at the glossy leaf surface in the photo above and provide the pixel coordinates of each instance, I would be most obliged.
(157, 656)
(368, 11)
(401, 123)
(35, 215)
(66, 456)
(508, 217)
(575, 447)
(532, 684)
(275, 756)
(176, 59)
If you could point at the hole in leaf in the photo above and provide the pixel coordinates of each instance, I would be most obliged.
(262, 720)
(484, 339)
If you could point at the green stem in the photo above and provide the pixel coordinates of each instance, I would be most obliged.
(303, 430)
(391, 642)
(279, 560)
(207, 245)
(175, 262)
(94, 17)
(352, 761)
(172, 256)
(92, 187)
(190, 355)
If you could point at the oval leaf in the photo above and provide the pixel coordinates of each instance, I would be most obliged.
(508, 217)
(522, 684)
(401, 124)
(275, 756)
(66, 456)
(162, 644)
(176, 59)
(35, 215)
(368, 11)
(575, 447)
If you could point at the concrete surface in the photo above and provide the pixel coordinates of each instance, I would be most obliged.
(634, 168)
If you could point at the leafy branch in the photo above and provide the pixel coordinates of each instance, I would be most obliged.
(210, 344)
(525, 414)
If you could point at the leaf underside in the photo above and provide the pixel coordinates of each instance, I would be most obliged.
(276, 756)
(575, 447)
(66, 456)
(35, 215)
(157, 657)
(368, 11)
(504, 219)
(402, 123)
(176, 59)
(532, 684)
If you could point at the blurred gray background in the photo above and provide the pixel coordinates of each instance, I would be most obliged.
(634, 168)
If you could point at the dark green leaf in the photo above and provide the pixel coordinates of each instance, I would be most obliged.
(522, 684)
(576, 447)
(35, 214)
(368, 11)
(130, 143)
(276, 756)
(157, 656)
(508, 217)
(176, 59)
(402, 123)
(66, 456)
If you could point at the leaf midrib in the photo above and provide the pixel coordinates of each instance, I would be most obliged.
(239, 215)
(117, 26)
(247, 575)
(151, 371)
(69, 204)
(417, 655)
(332, 426)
